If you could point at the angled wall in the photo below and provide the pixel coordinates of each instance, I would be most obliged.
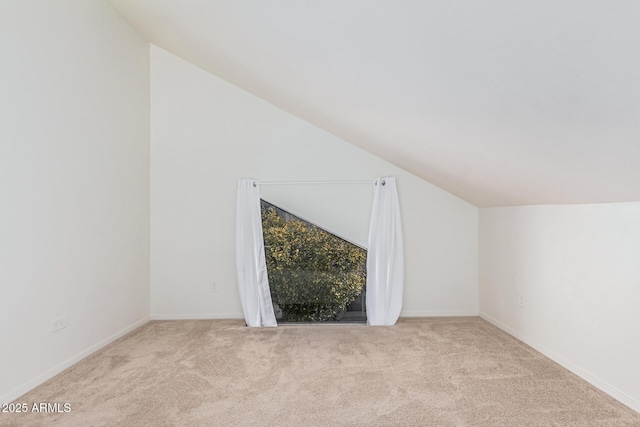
(207, 133)
(74, 184)
(576, 269)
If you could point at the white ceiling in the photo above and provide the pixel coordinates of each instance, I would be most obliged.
(499, 102)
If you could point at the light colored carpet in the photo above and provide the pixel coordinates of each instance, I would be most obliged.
(421, 372)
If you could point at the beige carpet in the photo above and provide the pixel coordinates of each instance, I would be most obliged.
(421, 372)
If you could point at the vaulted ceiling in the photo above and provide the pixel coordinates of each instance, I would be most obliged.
(498, 102)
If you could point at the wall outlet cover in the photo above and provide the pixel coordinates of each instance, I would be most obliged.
(521, 301)
(59, 323)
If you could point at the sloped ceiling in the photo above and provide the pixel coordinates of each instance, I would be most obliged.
(498, 102)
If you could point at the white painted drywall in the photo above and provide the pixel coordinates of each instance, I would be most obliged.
(207, 133)
(578, 269)
(74, 184)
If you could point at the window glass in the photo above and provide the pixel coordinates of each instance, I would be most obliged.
(314, 276)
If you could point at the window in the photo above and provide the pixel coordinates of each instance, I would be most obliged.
(314, 275)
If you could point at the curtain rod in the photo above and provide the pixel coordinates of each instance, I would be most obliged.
(360, 181)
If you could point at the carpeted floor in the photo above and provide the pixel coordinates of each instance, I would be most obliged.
(421, 372)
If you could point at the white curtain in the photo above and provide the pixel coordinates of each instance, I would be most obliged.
(385, 258)
(253, 282)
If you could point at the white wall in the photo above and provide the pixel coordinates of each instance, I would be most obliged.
(207, 133)
(578, 269)
(74, 183)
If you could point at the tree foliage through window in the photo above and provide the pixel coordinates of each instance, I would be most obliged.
(313, 274)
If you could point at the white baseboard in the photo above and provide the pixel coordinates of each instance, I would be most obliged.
(202, 316)
(612, 391)
(30, 385)
(439, 313)
(222, 316)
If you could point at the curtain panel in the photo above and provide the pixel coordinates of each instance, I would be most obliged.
(385, 257)
(253, 282)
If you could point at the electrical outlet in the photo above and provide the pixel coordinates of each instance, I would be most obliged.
(58, 324)
(521, 301)
(214, 287)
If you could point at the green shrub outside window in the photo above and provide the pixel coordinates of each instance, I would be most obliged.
(313, 274)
